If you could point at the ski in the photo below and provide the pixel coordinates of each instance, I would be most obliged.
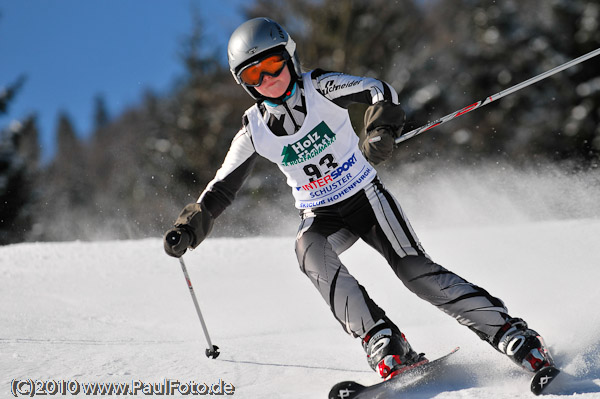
(354, 390)
(543, 378)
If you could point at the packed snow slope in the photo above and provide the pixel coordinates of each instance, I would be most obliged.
(120, 311)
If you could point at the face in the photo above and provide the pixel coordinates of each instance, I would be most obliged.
(274, 86)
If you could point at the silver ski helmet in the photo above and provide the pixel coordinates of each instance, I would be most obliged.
(255, 39)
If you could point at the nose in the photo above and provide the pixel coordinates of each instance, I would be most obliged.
(267, 79)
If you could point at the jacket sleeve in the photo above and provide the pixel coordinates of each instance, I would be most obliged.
(238, 163)
(384, 109)
(344, 89)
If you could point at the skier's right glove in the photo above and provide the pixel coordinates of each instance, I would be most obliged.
(191, 228)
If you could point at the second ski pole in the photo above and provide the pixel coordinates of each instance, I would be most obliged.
(497, 96)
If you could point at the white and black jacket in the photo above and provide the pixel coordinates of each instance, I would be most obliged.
(287, 119)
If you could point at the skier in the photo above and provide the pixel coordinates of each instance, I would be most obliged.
(300, 122)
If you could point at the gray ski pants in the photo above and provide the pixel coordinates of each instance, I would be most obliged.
(375, 216)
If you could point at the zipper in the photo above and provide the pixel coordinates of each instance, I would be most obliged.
(289, 111)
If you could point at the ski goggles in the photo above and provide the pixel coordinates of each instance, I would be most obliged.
(252, 75)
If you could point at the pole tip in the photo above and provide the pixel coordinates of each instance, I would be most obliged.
(214, 352)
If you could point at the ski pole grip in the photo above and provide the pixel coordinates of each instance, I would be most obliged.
(174, 237)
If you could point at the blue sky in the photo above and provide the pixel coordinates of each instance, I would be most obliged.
(73, 50)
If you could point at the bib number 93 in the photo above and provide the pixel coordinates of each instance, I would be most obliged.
(325, 165)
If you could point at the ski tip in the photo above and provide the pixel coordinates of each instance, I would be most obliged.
(345, 389)
(543, 378)
(354, 390)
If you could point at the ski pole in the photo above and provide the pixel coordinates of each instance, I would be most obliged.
(497, 96)
(212, 350)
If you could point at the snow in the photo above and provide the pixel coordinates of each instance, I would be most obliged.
(120, 311)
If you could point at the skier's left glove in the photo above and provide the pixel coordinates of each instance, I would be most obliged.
(378, 145)
(383, 124)
(191, 228)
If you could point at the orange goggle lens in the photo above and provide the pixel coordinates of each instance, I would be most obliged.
(253, 74)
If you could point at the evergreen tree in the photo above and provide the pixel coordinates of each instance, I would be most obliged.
(142, 165)
(480, 48)
(101, 115)
(13, 192)
(8, 93)
(18, 170)
(18, 165)
(65, 182)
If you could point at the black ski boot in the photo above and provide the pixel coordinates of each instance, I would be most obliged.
(388, 351)
(522, 345)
